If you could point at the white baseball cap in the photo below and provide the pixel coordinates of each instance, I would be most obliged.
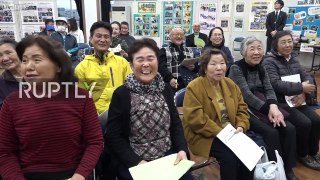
(62, 19)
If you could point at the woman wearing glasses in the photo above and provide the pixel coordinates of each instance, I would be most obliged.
(216, 40)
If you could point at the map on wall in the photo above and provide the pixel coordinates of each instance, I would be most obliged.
(258, 15)
(176, 14)
(146, 25)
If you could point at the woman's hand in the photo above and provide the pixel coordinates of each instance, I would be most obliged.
(174, 83)
(275, 116)
(307, 87)
(77, 177)
(123, 53)
(142, 162)
(299, 100)
(180, 156)
(239, 129)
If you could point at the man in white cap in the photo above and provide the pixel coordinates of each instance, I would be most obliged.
(68, 41)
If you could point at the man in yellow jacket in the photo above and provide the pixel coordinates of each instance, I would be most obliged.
(103, 71)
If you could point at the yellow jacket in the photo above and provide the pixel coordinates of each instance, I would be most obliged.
(108, 75)
(202, 115)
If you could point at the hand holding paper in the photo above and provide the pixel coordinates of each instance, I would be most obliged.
(161, 169)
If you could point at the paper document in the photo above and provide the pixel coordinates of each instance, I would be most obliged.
(161, 169)
(242, 146)
(115, 49)
(190, 61)
(291, 78)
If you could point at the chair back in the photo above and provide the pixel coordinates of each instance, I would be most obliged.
(236, 43)
(179, 97)
(84, 49)
(103, 118)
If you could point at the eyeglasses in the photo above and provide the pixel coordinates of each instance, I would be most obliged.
(217, 35)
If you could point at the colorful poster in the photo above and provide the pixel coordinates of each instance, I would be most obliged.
(208, 16)
(304, 18)
(176, 14)
(225, 9)
(238, 24)
(239, 8)
(258, 15)
(8, 32)
(146, 7)
(146, 25)
(6, 11)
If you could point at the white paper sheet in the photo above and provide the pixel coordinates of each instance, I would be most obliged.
(291, 78)
(242, 146)
(161, 169)
(115, 49)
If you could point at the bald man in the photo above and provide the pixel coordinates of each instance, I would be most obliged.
(170, 58)
(190, 40)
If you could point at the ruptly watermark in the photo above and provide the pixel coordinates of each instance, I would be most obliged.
(51, 89)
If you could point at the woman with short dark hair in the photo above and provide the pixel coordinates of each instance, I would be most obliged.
(284, 62)
(10, 62)
(144, 124)
(50, 129)
(211, 102)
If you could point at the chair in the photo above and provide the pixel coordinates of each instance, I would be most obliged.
(236, 43)
(84, 49)
(103, 118)
(179, 96)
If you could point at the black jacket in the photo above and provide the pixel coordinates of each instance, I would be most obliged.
(69, 43)
(118, 126)
(8, 84)
(190, 39)
(272, 23)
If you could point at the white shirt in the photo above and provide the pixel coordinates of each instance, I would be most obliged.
(78, 34)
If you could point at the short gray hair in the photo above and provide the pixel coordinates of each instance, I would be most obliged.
(246, 42)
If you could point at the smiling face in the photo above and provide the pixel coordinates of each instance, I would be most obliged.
(101, 40)
(216, 69)
(254, 53)
(216, 37)
(37, 67)
(124, 29)
(145, 65)
(177, 36)
(9, 59)
(115, 30)
(285, 46)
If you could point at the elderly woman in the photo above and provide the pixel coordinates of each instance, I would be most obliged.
(48, 132)
(143, 123)
(9, 60)
(283, 62)
(216, 40)
(252, 78)
(211, 102)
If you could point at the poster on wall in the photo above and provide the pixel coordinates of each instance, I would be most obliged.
(30, 30)
(29, 13)
(176, 14)
(146, 7)
(308, 2)
(208, 16)
(239, 8)
(6, 11)
(146, 25)
(258, 15)
(225, 9)
(303, 19)
(238, 24)
(45, 11)
(7, 32)
(224, 23)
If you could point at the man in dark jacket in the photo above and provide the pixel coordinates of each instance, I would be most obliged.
(47, 22)
(68, 41)
(192, 40)
(276, 21)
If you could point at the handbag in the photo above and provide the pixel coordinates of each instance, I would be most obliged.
(262, 116)
(269, 170)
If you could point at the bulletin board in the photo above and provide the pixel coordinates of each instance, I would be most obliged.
(177, 14)
(303, 18)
